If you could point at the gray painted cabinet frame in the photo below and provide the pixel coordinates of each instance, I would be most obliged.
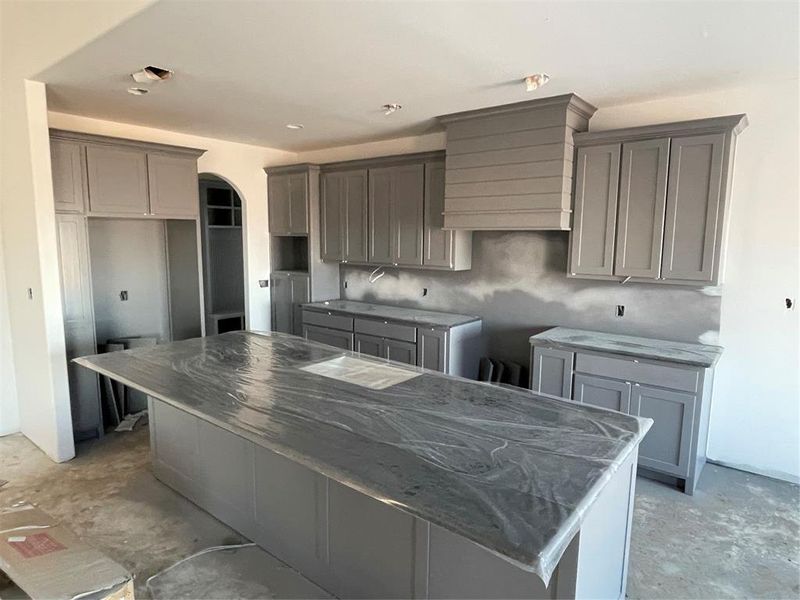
(674, 186)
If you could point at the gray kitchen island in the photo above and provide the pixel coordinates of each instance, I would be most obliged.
(381, 480)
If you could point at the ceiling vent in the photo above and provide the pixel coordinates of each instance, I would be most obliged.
(151, 74)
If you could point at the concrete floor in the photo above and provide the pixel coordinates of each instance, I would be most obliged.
(738, 537)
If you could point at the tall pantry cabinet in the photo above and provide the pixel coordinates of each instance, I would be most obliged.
(109, 181)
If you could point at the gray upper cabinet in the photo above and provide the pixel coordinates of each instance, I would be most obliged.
(173, 186)
(388, 211)
(673, 187)
(693, 207)
(642, 196)
(596, 185)
(343, 216)
(117, 180)
(69, 175)
(381, 185)
(287, 199)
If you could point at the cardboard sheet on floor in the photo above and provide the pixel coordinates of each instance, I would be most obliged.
(46, 560)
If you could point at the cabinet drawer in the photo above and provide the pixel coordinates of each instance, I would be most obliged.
(631, 369)
(327, 319)
(386, 329)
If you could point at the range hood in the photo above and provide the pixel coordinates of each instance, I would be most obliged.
(510, 167)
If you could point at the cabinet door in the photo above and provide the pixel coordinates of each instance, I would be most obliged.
(642, 196)
(173, 186)
(369, 345)
(76, 296)
(298, 201)
(300, 294)
(408, 198)
(355, 216)
(594, 219)
(380, 216)
(551, 371)
(69, 180)
(404, 352)
(332, 337)
(117, 181)
(332, 215)
(432, 349)
(282, 305)
(279, 200)
(437, 243)
(606, 393)
(693, 207)
(667, 445)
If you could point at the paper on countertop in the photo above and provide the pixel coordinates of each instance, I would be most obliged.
(361, 372)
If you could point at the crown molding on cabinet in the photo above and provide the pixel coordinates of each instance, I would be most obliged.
(103, 140)
(732, 123)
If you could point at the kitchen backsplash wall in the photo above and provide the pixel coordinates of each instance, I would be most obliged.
(518, 285)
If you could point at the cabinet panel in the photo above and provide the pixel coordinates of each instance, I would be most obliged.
(369, 345)
(279, 200)
(388, 329)
(594, 220)
(330, 320)
(173, 186)
(407, 214)
(606, 393)
(298, 201)
(693, 207)
(332, 337)
(117, 181)
(667, 445)
(332, 216)
(300, 294)
(437, 243)
(552, 372)
(404, 352)
(380, 215)
(355, 216)
(282, 307)
(432, 349)
(642, 197)
(69, 180)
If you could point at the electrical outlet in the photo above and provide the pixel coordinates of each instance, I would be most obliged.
(424, 291)
(263, 283)
(789, 303)
(620, 310)
(123, 295)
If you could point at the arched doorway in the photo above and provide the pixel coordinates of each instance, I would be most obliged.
(221, 221)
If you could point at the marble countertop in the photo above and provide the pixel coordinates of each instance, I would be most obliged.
(393, 313)
(505, 468)
(678, 352)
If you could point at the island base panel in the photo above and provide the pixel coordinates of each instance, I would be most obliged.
(357, 547)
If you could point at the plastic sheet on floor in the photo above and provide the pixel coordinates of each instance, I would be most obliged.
(242, 571)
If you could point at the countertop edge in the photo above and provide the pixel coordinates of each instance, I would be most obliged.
(316, 306)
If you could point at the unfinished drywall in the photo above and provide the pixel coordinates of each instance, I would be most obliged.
(129, 255)
(518, 286)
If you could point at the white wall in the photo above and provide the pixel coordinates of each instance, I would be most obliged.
(755, 423)
(240, 165)
(9, 411)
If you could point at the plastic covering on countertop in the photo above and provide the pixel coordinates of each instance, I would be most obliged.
(508, 469)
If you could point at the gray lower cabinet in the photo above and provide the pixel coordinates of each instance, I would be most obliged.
(602, 392)
(454, 350)
(332, 337)
(667, 446)
(667, 186)
(551, 371)
(290, 289)
(675, 396)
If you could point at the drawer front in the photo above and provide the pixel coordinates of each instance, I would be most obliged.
(631, 369)
(386, 329)
(327, 319)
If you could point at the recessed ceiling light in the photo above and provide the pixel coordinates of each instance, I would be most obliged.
(535, 81)
(150, 74)
(294, 126)
(137, 91)
(391, 108)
